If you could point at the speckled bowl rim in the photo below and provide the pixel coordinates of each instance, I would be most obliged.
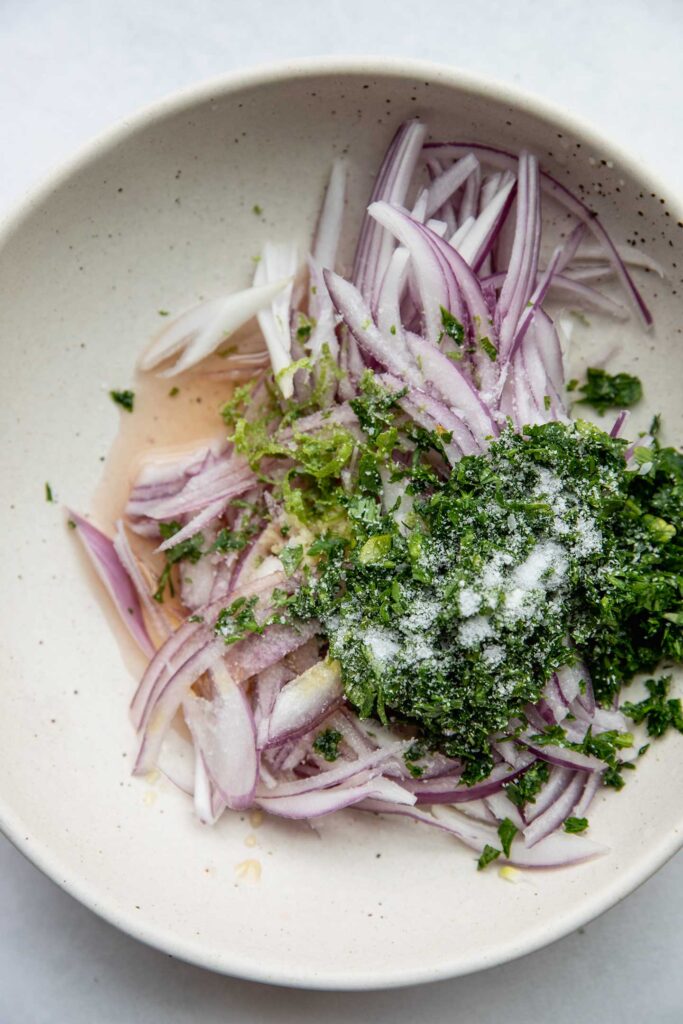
(231, 82)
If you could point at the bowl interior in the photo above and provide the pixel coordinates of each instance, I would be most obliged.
(157, 215)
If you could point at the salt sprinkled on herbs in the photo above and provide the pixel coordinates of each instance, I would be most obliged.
(474, 631)
(383, 645)
(469, 602)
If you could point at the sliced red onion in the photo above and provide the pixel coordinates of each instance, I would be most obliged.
(455, 389)
(304, 702)
(585, 695)
(554, 816)
(225, 479)
(177, 760)
(619, 423)
(346, 772)
(444, 278)
(601, 719)
(203, 802)
(197, 582)
(478, 810)
(356, 314)
(168, 701)
(255, 653)
(502, 807)
(446, 211)
(434, 415)
(326, 801)
(446, 790)
(223, 730)
(563, 756)
(568, 679)
(444, 186)
(537, 297)
(475, 246)
(391, 294)
(269, 682)
(102, 554)
(558, 781)
(501, 158)
(375, 245)
(555, 701)
(571, 288)
(593, 784)
(631, 256)
(197, 523)
(345, 723)
(326, 242)
(558, 850)
(523, 265)
(202, 329)
(130, 564)
(187, 640)
(469, 203)
(277, 264)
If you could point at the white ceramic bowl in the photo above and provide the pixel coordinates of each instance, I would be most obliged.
(153, 214)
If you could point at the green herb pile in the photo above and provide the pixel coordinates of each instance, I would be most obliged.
(450, 597)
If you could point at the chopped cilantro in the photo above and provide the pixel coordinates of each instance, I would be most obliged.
(488, 854)
(384, 570)
(305, 327)
(507, 832)
(291, 557)
(452, 327)
(604, 391)
(189, 549)
(164, 312)
(527, 786)
(48, 493)
(125, 399)
(576, 825)
(238, 620)
(257, 210)
(659, 711)
(71, 524)
(173, 392)
(489, 348)
(327, 743)
(385, 583)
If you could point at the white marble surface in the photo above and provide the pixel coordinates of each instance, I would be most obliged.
(69, 67)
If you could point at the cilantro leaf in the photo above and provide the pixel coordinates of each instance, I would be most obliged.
(576, 824)
(658, 711)
(327, 743)
(507, 832)
(488, 854)
(238, 620)
(452, 327)
(604, 391)
(190, 549)
(527, 786)
(126, 399)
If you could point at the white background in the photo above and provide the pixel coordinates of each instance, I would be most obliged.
(70, 67)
